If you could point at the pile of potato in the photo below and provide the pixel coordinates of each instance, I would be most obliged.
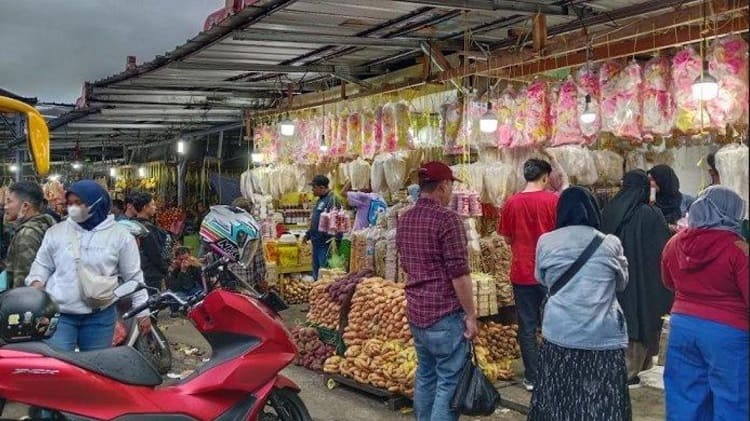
(388, 365)
(311, 351)
(378, 311)
(496, 347)
(295, 291)
(323, 311)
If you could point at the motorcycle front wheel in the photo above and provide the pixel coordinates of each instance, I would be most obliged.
(285, 405)
(149, 347)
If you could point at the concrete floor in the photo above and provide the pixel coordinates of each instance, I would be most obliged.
(344, 404)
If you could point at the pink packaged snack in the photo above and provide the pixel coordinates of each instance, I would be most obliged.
(727, 62)
(658, 105)
(537, 113)
(566, 123)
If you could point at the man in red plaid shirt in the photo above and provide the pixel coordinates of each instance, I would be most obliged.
(432, 246)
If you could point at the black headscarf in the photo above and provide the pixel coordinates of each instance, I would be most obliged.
(668, 198)
(635, 192)
(577, 206)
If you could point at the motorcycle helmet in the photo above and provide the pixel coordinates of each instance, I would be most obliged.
(231, 232)
(27, 314)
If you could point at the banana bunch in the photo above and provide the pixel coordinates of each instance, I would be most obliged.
(389, 365)
(494, 371)
(331, 365)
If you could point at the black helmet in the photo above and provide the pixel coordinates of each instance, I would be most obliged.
(27, 314)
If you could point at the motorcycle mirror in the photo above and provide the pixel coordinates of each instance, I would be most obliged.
(126, 289)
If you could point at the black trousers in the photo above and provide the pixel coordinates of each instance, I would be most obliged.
(529, 300)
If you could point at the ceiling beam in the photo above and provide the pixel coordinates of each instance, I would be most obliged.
(185, 119)
(133, 126)
(134, 112)
(352, 41)
(127, 92)
(352, 79)
(250, 67)
(524, 7)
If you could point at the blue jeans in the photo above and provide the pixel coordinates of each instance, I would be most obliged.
(529, 300)
(88, 332)
(319, 257)
(442, 351)
(705, 375)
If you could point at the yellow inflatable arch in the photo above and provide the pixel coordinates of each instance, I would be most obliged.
(38, 138)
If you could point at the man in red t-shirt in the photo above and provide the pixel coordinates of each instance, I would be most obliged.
(525, 217)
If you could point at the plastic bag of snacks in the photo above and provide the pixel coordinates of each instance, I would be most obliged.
(342, 137)
(520, 137)
(626, 121)
(354, 134)
(587, 79)
(450, 126)
(537, 113)
(403, 123)
(727, 62)
(658, 106)
(369, 124)
(686, 67)
(395, 171)
(378, 181)
(499, 183)
(359, 173)
(566, 128)
(577, 162)
(608, 83)
(732, 164)
(505, 108)
(608, 166)
(390, 133)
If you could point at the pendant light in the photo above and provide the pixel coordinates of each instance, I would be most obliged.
(488, 122)
(257, 157)
(705, 87)
(141, 172)
(181, 147)
(286, 127)
(113, 172)
(588, 115)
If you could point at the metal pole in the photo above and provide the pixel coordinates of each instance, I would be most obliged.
(181, 169)
(19, 150)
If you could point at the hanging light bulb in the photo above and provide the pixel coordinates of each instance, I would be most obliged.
(13, 168)
(141, 172)
(286, 126)
(588, 115)
(705, 87)
(54, 177)
(113, 172)
(257, 157)
(488, 122)
(323, 146)
(181, 147)
(77, 166)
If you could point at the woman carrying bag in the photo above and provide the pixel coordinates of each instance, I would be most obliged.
(582, 373)
(79, 263)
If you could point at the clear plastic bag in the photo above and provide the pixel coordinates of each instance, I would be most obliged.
(403, 124)
(658, 106)
(577, 162)
(635, 160)
(587, 79)
(499, 183)
(354, 134)
(395, 171)
(727, 62)
(566, 126)
(520, 137)
(626, 121)
(608, 166)
(359, 172)
(377, 174)
(368, 134)
(686, 67)
(732, 164)
(537, 128)
(608, 83)
(505, 108)
(450, 126)
(390, 134)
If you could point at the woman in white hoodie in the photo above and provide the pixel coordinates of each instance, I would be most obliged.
(106, 249)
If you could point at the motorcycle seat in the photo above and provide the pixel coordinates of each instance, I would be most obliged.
(123, 363)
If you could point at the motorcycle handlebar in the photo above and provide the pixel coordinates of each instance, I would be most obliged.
(137, 310)
(215, 264)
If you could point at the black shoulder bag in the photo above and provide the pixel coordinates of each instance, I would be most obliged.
(574, 268)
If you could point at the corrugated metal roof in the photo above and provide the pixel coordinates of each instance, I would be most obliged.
(212, 77)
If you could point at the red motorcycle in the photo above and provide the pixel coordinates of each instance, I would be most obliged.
(241, 381)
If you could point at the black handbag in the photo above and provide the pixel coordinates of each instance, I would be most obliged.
(574, 268)
(475, 395)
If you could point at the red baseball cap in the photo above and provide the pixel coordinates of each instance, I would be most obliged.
(436, 171)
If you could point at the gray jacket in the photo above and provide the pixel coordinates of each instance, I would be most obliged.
(585, 313)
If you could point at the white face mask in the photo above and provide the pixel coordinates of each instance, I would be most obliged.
(78, 214)
(652, 196)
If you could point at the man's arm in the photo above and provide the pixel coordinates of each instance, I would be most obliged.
(456, 260)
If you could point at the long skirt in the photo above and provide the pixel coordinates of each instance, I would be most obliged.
(580, 385)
